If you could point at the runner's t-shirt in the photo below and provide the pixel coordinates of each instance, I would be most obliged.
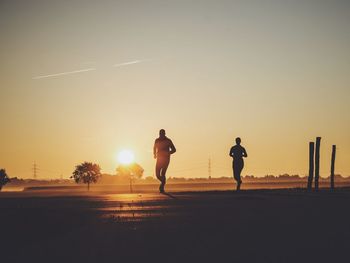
(237, 152)
(163, 147)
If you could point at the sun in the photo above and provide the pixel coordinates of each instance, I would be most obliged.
(126, 157)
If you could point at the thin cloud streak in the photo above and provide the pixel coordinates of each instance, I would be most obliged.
(127, 63)
(87, 69)
(64, 73)
(132, 62)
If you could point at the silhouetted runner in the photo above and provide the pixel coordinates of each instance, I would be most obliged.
(163, 148)
(237, 152)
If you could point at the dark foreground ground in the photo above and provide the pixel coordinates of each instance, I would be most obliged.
(225, 226)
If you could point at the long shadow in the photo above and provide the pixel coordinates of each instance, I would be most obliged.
(170, 195)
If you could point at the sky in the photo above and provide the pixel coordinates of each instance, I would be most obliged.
(82, 80)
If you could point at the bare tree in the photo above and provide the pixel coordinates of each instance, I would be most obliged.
(87, 173)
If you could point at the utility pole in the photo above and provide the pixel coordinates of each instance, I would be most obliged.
(317, 162)
(35, 170)
(209, 168)
(311, 165)
(334, 149)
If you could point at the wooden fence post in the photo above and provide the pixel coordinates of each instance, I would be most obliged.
(317, 162)
(311, 165)
(334, 148)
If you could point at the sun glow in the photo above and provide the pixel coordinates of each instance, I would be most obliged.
(126, 157)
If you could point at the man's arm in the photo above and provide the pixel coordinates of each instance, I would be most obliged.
(155, 149)
(244, 153)
(172, 147)
(231, 152)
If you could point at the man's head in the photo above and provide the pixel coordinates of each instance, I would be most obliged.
(238, 140)
(162, 133)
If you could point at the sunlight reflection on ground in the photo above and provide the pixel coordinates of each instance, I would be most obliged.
(134, 207)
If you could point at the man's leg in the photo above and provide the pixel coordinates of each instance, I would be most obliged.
(234, 171)
(158, 173)
(163, 178)
(237, 175)
(237, 179)
(162, 184)
(163, 175)
(237, 169)
(240, 172)
(239, 182)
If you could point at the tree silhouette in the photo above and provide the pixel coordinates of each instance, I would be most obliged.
(4, 179)
(131, 171)
(87, 173)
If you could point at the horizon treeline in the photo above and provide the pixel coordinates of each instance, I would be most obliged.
(120, 179)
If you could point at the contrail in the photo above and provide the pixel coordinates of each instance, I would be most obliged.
(127, 63)
(88, 69)
(64, 73)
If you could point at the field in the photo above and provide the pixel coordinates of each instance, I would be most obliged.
(196, 185)
(273, 225)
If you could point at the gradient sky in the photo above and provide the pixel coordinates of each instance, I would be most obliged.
(275, 73)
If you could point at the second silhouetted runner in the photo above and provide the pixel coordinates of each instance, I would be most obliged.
(163, 148)
(237, 152)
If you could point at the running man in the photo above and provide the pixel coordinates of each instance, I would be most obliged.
(163, 148)
(237, 152)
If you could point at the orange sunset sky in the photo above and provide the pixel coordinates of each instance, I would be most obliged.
(83, 80)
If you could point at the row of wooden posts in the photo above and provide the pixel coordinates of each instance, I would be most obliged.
(314, 164)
